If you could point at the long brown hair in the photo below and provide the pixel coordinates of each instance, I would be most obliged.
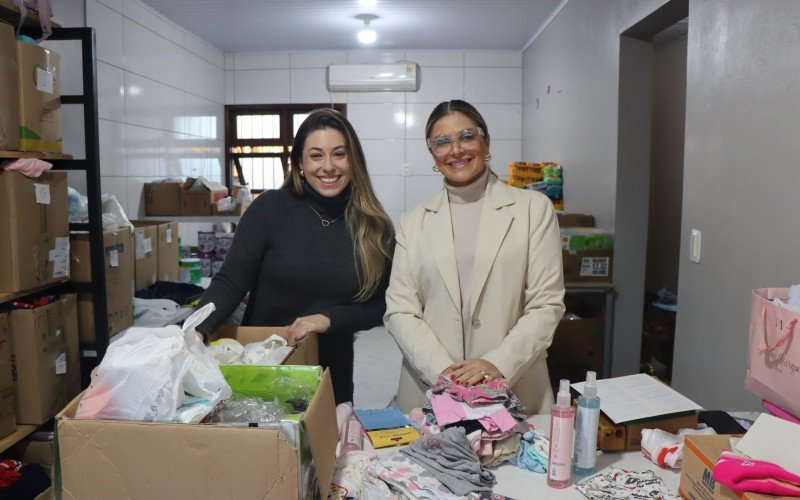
(367, 222)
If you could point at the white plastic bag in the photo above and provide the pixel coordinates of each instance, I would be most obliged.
(270, 352)
(227, 351)
(144, 374)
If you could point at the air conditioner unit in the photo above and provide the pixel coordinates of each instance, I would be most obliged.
(399, 77)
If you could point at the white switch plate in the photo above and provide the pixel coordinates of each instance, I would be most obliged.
(695, 246)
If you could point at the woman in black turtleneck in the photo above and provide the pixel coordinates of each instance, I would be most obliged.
(314, 254)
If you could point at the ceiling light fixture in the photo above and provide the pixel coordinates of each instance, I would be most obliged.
(367, 35)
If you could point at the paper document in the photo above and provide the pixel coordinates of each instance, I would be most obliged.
(635, 397)
(773, 440)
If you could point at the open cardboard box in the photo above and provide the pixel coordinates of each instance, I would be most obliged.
(700, 455)
(115, 459)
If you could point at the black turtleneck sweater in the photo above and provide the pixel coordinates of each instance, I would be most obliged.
(294, 266)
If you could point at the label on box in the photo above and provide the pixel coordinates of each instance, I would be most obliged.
(113, 258)
(61, 364)
(594, 266)
(45, 80)
(147, 244)
(139, 245)
(60, 258)
(168, 235)
(42, 193)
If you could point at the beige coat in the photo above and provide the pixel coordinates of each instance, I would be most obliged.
(517, 295)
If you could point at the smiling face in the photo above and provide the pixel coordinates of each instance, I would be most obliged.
(464, 160)
(325, 165)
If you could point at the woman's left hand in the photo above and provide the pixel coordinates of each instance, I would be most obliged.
(473, 371)
(302, 326)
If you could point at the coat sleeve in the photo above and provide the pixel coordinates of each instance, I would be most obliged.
(543, 303)
(420, 345)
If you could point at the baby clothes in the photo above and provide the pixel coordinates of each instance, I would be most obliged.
(666, 449)
(620, 484)
(533, 452)
(411, 479)
(450, 459)
(347, 481)
(504, 450)
(743, 474)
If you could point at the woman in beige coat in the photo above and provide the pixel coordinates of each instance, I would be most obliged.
(477, 287)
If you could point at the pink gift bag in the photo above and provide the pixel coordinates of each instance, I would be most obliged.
(774, 350)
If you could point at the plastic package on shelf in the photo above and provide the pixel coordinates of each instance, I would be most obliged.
(78, 206)
(586, 238)
(113, 214)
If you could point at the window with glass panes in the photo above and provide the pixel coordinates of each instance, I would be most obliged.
(258, 141)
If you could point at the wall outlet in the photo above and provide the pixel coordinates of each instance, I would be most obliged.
(695, 245)
(406, 170)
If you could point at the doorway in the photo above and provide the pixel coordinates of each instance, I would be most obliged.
(640, 138)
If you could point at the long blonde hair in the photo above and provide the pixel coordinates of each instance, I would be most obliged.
(367, 222)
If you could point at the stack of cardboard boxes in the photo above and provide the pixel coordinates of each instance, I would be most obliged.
(192, 198)
(30, 100)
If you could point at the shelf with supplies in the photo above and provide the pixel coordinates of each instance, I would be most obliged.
(11, 155)
(193, 219)
(584, 343)
(23, 431)
(9, 296)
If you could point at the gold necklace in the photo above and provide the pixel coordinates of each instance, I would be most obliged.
(325, 222)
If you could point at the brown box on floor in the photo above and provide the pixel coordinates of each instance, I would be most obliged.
(162, 198)
(45, 359)
(162, 460)
(700, 454)
(585, 265)
(577, 347)
(9, 97)
(118, 265)
(39, 90)
(197, 198)
(34, 230)
(145, 251)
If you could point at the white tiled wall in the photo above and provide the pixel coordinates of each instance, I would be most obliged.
(391, 124)
(161, 94)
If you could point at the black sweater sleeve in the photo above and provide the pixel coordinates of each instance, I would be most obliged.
(241, 266)
(359, 316)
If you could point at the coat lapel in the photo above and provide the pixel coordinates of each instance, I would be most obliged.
(438, 229)
(494, 225)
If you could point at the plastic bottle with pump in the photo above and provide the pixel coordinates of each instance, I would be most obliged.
(562, 421)
(353, 436)
(586, 427)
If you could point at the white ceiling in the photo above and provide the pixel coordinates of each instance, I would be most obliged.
(259, 25)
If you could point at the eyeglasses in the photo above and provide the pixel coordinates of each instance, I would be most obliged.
(467, 139)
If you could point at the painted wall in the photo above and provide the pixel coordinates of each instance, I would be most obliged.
(160, 96)
(740, 182)
(666, 173)
(740, 156)
(391, 125)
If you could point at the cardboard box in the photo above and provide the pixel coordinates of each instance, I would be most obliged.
(577, 347)
(162, 198)
(118, 265)
(145, 251)
(575, 220)
(168, 251)
(39, 98)
(8, 418)
(167, 238)
(305, 353)
(34, 230)
(700, 454)
(628, 436)
(45, 359)
(160, 460)
(585, 265)
(9, 93)
(5, 353)
(196, 199)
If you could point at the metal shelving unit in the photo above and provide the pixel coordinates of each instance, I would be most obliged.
(91, 353)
